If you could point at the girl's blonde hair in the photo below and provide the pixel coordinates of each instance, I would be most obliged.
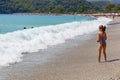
(103, 28)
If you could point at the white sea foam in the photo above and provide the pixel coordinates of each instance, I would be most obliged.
(13, 44)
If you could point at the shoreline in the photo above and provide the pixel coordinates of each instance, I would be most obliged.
(93, 14)
(80, 62)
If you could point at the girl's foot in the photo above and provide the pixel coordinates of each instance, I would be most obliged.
(98, 61)
(105, 60)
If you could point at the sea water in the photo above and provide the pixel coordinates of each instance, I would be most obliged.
(41, 31)
(10, 23)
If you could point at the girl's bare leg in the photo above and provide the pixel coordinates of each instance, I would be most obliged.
(104, 52)
(99, 55)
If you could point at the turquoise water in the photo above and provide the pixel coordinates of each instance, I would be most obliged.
(10, 23)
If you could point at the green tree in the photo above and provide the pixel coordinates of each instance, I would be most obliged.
(83, 9)
(59, 9)
(117, 9)
(110, 7)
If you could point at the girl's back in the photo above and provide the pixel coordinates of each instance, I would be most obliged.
(102, 38)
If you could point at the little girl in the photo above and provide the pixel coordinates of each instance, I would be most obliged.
(102, 39)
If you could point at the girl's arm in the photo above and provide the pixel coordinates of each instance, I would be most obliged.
(105, 36)
(98, 38)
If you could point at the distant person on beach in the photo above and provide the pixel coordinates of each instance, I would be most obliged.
(113, 17)
(102, 39)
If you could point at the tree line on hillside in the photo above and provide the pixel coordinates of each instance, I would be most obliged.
(56, 6)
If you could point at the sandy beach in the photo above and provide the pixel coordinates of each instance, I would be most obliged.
(80, 62)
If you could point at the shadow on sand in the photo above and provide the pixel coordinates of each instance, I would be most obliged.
(113, 60)
(114, 23)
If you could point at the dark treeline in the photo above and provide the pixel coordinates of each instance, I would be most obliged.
(56, 6)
